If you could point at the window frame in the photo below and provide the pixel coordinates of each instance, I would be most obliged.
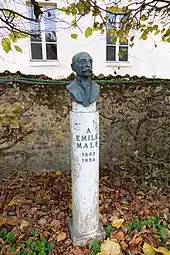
(117, 45)
(43, 42)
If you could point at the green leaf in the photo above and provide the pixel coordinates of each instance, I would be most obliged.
(114, 9)
(50, 246)
(22, 35)
(74, 23)
(13, 36)
(28, 243)
(3, 233)
(22, 245)
(143, 18)
(35, 232)
(66, 10)
(42, 253)
(6, 44)
(88, 32)
(10, 13)
(80, 7)
(155, 27)
(7, 12)
(167, 247)
(144, 36)
(10, 237)
(18, 48)
(132, 38)
(163, 30)
(120, 54)
(17, 109)
(114, 39)
(108, 230)
(74, 36)
(11, 249)
(163, 232)
(94, 246)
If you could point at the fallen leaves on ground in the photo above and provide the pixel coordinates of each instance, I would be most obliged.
(150, 250)
(41, 204)
(109, 247)
(61, 237)
(117, 223)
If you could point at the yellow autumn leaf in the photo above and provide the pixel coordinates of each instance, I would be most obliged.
(12, 203)
(102, 253)
(110, 248)
(162, 250)
(57, 230)
(117, 223)
(58, 172)
(148, 249)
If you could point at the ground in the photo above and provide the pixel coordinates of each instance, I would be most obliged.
(35, 208)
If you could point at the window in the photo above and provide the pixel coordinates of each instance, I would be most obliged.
(44, 40)
(115, 51)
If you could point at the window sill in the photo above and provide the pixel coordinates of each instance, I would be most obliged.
(44, 63)
(118, 64)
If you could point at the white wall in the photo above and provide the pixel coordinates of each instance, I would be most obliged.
(145, 59)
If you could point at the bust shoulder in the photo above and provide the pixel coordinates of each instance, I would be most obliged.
(72, 85)
(97, 86)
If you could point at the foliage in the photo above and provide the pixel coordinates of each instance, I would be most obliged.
(147, 18)
(14, 127)
(94, 247)
(30, 246)
(108, 230)
(152, 222)
(23, 198)
(8, 42)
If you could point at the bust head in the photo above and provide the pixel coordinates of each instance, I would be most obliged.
(82, 64)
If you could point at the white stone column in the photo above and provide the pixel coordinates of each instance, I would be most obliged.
(84, 125)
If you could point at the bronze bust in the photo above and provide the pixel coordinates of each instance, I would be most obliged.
(83, 89)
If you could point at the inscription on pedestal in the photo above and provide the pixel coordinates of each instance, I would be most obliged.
(88, 157)
(87, 141)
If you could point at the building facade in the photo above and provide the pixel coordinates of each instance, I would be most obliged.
(50, 52)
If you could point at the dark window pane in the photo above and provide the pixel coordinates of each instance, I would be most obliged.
(36, 50)
(51, 51)
(124, 53)
(109, 38)
(110, 53)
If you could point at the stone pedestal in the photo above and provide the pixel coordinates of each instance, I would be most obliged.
(84, 124)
